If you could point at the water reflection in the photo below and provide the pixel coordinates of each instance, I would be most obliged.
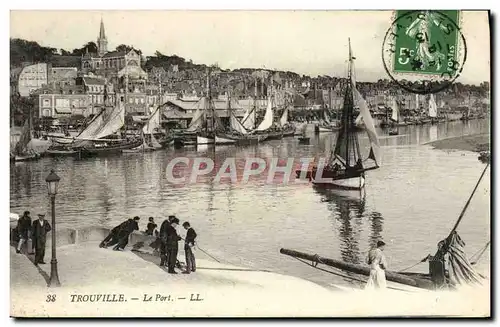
(348, 209)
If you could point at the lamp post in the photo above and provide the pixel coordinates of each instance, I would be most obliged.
(52, 181)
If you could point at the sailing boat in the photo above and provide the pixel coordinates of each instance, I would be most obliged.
(150, 144)
(395, 117)
(237, 134)
(288, 129)
(432, 109)
(325, 124)
(207, 134)
(22, 150)
(345, 167)
(266, 125)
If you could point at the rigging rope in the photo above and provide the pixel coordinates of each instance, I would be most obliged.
(316, 261)
(480, 254)
(421, 261)
(468, 201)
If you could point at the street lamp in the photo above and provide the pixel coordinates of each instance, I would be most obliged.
(52, 181)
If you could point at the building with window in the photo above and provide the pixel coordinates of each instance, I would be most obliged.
(110, 64)
(32, 78)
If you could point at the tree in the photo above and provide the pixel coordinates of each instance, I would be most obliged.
(91, 47)
(127, 48)
(65, 53)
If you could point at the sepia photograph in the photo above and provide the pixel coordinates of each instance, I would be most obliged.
(250, 163)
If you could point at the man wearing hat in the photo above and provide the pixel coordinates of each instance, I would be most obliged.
(172, 244)
(378, 265)
(163, 240)
(39, 231)
(23, 229)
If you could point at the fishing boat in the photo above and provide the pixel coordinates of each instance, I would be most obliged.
(395, 118)
(267, 127)
(108, 148)
(23, 150)
(288, 129)
(346, 168)
(450, 252)
(236, 133)
(432, 110)
(149, 142)
(62, 151)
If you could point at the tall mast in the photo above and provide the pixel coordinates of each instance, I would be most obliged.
(207, 100)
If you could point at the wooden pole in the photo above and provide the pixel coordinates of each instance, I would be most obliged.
(361, 270)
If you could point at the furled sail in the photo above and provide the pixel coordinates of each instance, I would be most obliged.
(153, 122)
(395, 110)
(112, 122)
(199, 117)
(432, 107)
(325, 117)
(268, 117)
(284, 117)
(236, 125)
(93, 127)
(22, 144)
(369, 126)
(248, 120)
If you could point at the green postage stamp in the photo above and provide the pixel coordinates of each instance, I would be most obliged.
(427, 44)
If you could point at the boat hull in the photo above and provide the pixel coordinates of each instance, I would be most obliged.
(222, 139)
(303, 140)
(27, 157)
(353, 183)
(351, 180)
(109, 150)
(204, 140)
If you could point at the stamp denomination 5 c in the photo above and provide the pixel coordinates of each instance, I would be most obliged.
(424, 50)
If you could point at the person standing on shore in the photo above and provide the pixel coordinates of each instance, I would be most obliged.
(151, 226)
(172, 245)
(163, 241)
(39, 230)
(24, 230)
(378, 265)
(189, 243)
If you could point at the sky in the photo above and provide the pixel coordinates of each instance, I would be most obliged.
(306, 42)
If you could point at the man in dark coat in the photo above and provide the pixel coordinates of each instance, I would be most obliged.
(124, 233)
(163, 240)
(112, 237)
(39, 231)
(24, 230)
(151, 226)
(172, 245)
(189, 243)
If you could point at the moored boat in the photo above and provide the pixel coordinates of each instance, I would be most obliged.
(346, 168)
(109, 148)
(62, 151)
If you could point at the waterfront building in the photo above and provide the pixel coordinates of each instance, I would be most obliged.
(66, 101)
(31, 78)
(96, 88)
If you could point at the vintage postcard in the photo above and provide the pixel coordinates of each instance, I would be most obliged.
(250, 163)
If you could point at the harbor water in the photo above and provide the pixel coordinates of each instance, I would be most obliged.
(411, 202)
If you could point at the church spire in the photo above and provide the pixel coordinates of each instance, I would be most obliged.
(102, 42)
(102, 35)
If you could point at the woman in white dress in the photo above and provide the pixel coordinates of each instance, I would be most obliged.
(378, 265)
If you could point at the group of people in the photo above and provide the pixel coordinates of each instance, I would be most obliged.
(35, 231)
(167, 241)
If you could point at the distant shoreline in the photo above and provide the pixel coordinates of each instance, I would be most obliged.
(474, 143)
